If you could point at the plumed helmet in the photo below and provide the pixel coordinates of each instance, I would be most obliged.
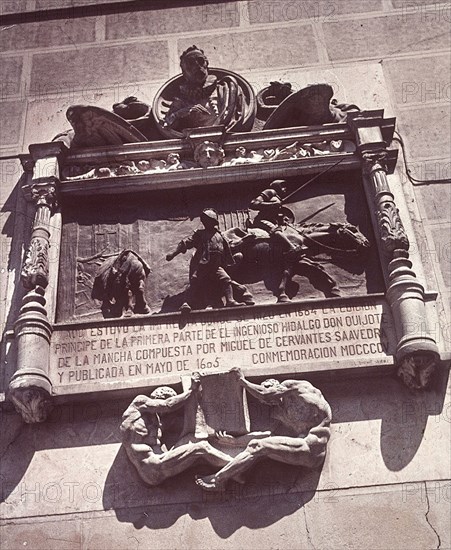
(279, 186)
(209, 216)
(163, 392)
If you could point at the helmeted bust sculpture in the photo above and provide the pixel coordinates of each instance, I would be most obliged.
(202, 97)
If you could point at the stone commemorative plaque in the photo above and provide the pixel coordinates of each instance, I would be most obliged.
(296, 338)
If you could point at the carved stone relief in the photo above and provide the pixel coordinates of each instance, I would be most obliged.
(35, 269)
(203, 97)
(119, 284)
(265, 237)
(310, 105)
(297, 432)
(417, 352)
(208, 154)
(391, 229)
(271, 254)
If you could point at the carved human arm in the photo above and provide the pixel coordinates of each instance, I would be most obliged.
(183, 112)
(181, 248)
(270, 395)
(241, 440)
(162, 406)
(261, 202)
(171, 117)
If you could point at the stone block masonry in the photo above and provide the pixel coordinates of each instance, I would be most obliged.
(98, 67)
(54, 33)
(290, 47)
(283, 11)
(386, 36)
(66, 483)
(174, 20)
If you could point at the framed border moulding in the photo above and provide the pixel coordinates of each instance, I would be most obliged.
(106, 310)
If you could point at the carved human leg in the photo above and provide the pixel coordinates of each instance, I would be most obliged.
(140, 300)
(194, 296)
(129, 304)
(242, 293)
(315, 271)
(279, 240)
(287, 275)
(289, 450)
(156, 468)
(228, 294)
(225, 283)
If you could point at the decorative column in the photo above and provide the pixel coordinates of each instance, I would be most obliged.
(30, 387)
(416, 353)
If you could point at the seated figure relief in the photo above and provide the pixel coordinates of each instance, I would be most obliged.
(204, 97)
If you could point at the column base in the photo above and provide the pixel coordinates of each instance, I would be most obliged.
(417, 369)
(30, 393)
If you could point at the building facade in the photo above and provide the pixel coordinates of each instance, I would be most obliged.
(67, 480)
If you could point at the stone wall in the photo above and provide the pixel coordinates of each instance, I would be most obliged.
(385, 483)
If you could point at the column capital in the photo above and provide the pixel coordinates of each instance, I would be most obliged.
(375, 160)
(42, 193)
(373, 132)
(43, 188)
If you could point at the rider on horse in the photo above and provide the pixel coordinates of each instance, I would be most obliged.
(272, 218)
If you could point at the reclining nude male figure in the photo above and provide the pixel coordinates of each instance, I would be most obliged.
(299, 438)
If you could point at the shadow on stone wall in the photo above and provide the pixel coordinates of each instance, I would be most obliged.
(88, 433)
(24, 470)
(403, 417)
(403, 413)
(272, 491)
(17, 217)
(16, 451)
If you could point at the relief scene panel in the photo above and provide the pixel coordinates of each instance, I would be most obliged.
(316, 248)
